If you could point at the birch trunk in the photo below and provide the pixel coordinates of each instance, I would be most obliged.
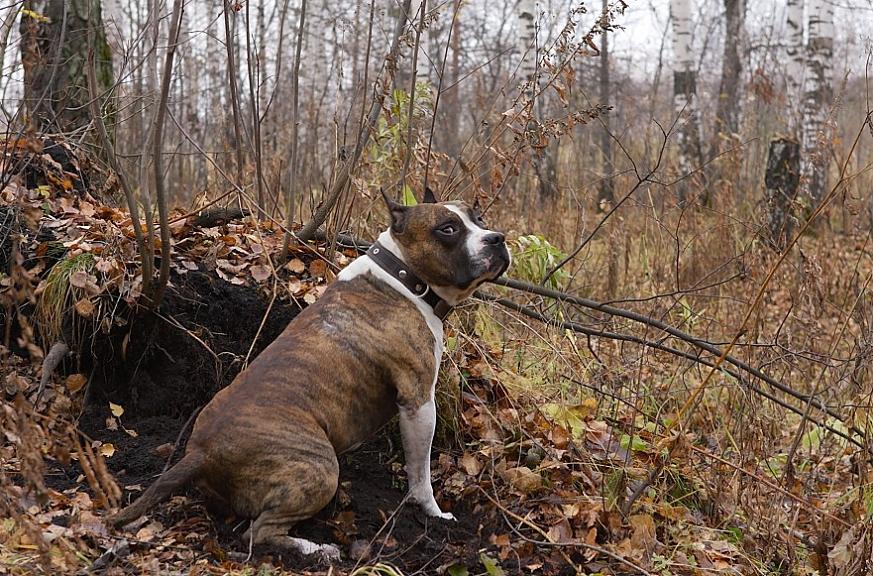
(816, 99)
(606, 186)
(685, 91)
(794, 64)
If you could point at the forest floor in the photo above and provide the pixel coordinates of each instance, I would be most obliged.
(543, 479)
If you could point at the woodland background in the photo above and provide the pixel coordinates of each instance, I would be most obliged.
(673, 379)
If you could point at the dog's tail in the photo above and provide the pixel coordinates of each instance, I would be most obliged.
(170, 481)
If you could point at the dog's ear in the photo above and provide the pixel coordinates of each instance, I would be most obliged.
(429, 196)
(398, 212)
(477, 206)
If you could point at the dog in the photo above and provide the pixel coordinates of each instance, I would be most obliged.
(266, 446)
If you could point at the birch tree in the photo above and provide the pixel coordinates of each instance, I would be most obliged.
(685, 90)
(606, 184)
(816, 98)
(794, 61)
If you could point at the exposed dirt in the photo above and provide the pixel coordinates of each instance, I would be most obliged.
(171, 365)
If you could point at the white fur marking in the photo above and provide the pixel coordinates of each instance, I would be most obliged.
(476, 237)
(416, 430)
(306, 547)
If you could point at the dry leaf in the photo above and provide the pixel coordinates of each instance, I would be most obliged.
(470, 464)
(117, 410)
(75, 382)
(522, 479)
(317, 268)
(85, 308)
(296, 266)
(106, 450)
(260, 272)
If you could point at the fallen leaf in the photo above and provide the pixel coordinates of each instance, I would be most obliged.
(106, 450)
(75, 382)
(318, 268)
(85, 308)
(260, 272)
(117, 410)
(470, 464)
(296, 266)
(522, 479)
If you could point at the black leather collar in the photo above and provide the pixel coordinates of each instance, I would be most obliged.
(398, 269)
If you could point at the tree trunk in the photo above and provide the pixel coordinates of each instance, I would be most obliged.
(781, 179)
(685, 92)
(54, 54)
(727, 114)
(817, 99)
(794, 65)
(607, 193)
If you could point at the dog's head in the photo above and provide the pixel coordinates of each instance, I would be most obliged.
(448, 245)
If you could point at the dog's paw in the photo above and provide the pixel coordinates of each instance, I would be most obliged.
(444, 516)
(326, 552)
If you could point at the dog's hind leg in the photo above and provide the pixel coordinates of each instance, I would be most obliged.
(297, 490)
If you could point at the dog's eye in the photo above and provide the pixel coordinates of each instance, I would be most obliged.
(448, 229)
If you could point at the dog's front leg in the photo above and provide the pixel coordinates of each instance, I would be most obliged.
(416, 428)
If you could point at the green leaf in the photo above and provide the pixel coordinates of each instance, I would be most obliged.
(408, 196)
(491, 566)
(635, 444)
(458, 570)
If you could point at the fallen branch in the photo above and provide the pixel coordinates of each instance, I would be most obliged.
(672, 331)
(655, 345)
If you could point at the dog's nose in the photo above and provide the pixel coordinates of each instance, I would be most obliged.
(494, 239)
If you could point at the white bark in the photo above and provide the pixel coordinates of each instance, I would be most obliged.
(817, 98)
(685, 87)
(527, 38)
(794, 61)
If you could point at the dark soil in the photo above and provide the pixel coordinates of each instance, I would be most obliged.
(171, 364)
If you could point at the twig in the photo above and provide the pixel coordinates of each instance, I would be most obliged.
(160, 189)
(179, 438)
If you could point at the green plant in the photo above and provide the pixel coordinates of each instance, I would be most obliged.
(533, 257)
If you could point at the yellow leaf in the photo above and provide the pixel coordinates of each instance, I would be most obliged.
(106, 450)
(35, 15)
(117, 410)
(75, 382)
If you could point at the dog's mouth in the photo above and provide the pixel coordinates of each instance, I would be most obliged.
(495, 263)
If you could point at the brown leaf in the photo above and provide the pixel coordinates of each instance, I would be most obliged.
(75, 382)
(296, 266)
(318, 268)
(260, 272)
(470, 464)
(522, 479)
(85, 308)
